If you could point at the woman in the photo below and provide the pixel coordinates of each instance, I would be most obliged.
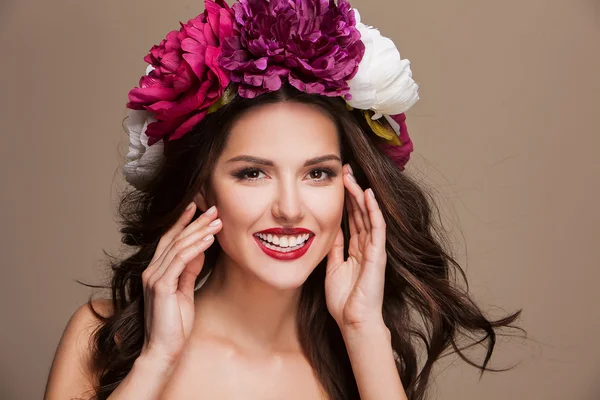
(279, 249)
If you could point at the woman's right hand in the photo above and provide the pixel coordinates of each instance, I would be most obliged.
(169, 281)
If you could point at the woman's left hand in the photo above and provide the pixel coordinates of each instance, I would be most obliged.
(354, 287)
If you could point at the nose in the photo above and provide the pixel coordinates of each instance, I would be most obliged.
(287, 205)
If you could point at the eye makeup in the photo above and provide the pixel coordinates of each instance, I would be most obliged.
(252, 174)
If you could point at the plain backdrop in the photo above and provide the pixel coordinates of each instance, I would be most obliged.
(506, 133)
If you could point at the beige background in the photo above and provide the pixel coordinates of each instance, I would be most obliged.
(506, 131)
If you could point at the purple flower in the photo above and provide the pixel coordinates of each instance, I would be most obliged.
(314, 44)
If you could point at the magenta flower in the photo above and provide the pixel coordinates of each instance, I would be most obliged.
(186, 78)
(314, 44)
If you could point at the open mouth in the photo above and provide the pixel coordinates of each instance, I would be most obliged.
(284, 247)
(283, 244)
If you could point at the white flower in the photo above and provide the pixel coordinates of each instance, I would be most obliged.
(142, 160)
(383, 82)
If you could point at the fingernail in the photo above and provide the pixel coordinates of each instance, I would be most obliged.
(189, 206)
(350, 170)
(215, 222)
(211, 210)
(371, 193)
(208, 238)
(352, 178)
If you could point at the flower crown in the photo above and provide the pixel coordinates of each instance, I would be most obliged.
(254, 47)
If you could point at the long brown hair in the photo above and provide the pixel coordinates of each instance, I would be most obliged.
(425, 307)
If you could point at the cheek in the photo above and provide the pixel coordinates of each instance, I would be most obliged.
(238, 208)
(327, 209)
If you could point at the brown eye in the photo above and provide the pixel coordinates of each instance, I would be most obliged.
(321, 175)
(316, 174)
(248, 174)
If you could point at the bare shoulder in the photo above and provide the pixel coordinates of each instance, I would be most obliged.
(71, 375)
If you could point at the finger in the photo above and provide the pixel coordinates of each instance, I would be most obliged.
(358, 194)
(187, 276)
(169, 281)
(335, 256)
(187, 279)
(175, 230)
(203, 220)
(182, 244)
(354, 216)
(350, 212)
(378, 226)
(359, 221)
(359, 208)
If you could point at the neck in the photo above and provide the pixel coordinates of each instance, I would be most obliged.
(236, 305)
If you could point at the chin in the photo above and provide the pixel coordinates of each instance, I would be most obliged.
(283, 277)
(284, 271)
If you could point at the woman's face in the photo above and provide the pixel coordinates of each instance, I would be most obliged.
(279, 191)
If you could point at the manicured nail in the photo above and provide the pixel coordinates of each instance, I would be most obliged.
(371, 192)
(208, 238)
(189, 207)
(351, 177)
(350, 170)
(211, 210)
(215, 222)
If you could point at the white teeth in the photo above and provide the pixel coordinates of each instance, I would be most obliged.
(282, 249)
(286, 242)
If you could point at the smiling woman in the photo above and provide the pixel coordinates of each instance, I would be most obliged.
(280, 251)
(284, 160)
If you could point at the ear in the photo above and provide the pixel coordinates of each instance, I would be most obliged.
(200, 200)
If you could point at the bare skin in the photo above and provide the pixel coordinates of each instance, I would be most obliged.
(244, 342)
(236, 337)
(218, 368)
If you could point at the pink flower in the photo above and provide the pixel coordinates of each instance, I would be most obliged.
(186, 79)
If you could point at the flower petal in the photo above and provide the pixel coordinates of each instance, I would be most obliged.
(315, 40)
(384, 81)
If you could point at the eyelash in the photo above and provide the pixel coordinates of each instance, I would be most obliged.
(241, 175)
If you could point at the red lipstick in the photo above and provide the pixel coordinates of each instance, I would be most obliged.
(290, 255)
(286, 231)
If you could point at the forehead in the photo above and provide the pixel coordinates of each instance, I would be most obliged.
(283, 132)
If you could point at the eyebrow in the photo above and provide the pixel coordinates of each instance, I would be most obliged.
(264, 161)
